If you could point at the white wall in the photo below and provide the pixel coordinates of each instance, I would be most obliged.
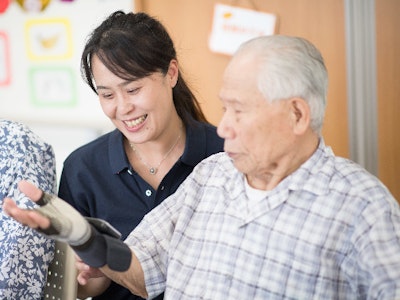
(69, 116)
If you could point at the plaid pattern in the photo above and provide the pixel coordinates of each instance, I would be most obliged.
(330, 230)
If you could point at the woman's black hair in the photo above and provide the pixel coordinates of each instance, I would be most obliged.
(133, 46)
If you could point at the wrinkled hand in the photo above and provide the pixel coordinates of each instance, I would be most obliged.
(92, 281)
(54, 218)
(85, 272)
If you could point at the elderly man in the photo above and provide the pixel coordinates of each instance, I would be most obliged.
(277, 216)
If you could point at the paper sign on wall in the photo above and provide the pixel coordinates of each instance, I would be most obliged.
(234, 25)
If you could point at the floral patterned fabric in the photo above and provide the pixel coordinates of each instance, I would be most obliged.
(24, 253)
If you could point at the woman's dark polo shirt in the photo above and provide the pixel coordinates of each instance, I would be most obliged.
(98, 180)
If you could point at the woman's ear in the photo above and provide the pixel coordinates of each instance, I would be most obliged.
(301, 115)
(173, 72)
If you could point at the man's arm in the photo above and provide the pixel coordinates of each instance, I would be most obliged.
(60, 221)
(91, 285)
(132, 279)
(91, 281)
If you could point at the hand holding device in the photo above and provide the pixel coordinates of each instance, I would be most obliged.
(95, 241)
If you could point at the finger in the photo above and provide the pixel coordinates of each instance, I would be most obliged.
(82, 280)
(81, 266)
(26, 217)
(8, 205)
(88, 272)
(30, 190)
(42, 221)
(11, 208)
(84, 276)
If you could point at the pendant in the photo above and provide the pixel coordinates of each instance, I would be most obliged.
(153, 171)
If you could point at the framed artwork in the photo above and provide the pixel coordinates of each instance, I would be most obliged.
(5, 76)
(52, 87)
(48, 39)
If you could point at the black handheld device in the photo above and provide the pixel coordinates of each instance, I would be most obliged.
(104, 227)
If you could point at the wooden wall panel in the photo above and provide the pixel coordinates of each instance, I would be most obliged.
(388, 77)
(322, 22)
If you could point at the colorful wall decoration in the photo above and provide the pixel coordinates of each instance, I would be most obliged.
(48, 39)
(40, 46)
(4, 59)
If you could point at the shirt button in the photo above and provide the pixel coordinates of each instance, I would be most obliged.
(162, 188)
(148, 193)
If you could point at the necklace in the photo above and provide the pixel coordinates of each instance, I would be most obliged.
(153, 170)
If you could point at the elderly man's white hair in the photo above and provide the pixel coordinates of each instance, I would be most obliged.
(290, 67)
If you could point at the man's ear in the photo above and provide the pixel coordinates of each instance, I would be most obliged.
(301, 115)
(173, 72)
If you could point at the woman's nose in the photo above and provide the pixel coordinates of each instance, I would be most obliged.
(124, 105)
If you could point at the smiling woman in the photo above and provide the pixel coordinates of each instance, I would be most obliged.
(161, 133)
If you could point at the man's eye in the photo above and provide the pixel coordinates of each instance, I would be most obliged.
(107, 96)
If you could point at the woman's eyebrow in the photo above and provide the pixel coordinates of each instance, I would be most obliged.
(122, 84)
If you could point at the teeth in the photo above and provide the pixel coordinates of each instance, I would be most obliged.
(136, 122)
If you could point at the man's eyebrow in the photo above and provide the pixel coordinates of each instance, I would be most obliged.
(232, 101)
(100, 87)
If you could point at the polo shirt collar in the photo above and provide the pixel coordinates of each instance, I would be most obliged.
(196, 143)
(117, 156)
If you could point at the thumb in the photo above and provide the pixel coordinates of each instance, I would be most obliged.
(30, 190)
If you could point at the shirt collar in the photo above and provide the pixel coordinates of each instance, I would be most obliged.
(117, 156)
(305, 177)
(196, 141)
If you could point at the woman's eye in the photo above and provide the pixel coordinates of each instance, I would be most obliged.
(133, 91)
